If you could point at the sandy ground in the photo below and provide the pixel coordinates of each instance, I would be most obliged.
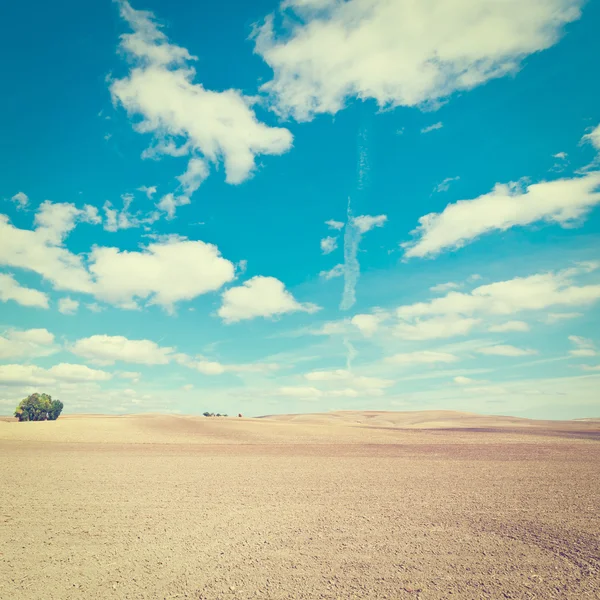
(345, 505)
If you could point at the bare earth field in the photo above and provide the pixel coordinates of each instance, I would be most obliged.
(345, 505)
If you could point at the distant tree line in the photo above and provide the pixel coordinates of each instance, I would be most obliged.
(209, 414)
(38, 407)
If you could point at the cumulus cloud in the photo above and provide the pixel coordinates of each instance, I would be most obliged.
(116, 219)
(162, 273)
(133, 376)
(337, 225)
(444, 186)
(63, 372)
(506, 350)
(148, 190)
(328, 244)
(170, 202)
(461, 380)
(300, 392)
(536, 292)
(433, 127)
(28, 343)
(213, 126)
(68, 306)
(583, 346)
(563, 201)
(106, 349)
(260, 297)
(213, 367)
(557, 317)
(348, 378)
(337, 271)
(593, 137)
(41, 250)
(11, 289)
(20, 199)
(196, 172)
(365, 223)
(399, 53)
(421, 358)
(368, 325)
(509, 326)
(435, 328)
(440, 288)
(55, 220)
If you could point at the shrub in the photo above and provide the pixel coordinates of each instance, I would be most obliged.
(38, 407)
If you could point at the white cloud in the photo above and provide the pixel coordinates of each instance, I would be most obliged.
(260, 297)
(170, 202)
(11, 289)
(337, 271)
(593, 137)
(349, 379)
(94, 307)
(355, 228)
(29, 343)
(106, 349)
(444, 186)
(196, 172)
(440, 288)
(68, 306)
(70, 372)
(20, 199)
(433, 127)
(209, 367)
(365, 223)
(563, 201)
(367, 324)
(557, 317)
(509, 326)
(63, 372)
(116, 219)
(584, 346)
(41, 250)
(212, 367)
(337, 225)
(302, 392)
(590, 367)
(163, 273)
(462, 380)
(187, 387)
(328, 244)
(536, 292)
(506, 350)
(420, 358)
(401, 52)
(55, 221)
(560, 155)
(133, 376)
(148, 190)
(435, 328)
(160, 88)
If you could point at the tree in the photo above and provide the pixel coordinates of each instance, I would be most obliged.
(38, 407)
(56, 407)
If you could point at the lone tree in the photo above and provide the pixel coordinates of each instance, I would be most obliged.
(38, 407)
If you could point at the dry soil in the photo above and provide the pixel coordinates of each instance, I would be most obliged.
(345, 505)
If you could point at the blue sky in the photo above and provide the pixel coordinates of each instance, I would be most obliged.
(301, 207)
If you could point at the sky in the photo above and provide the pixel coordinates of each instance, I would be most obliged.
(304, 206)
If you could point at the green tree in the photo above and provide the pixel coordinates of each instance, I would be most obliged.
(38, 407)
(56, 407)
